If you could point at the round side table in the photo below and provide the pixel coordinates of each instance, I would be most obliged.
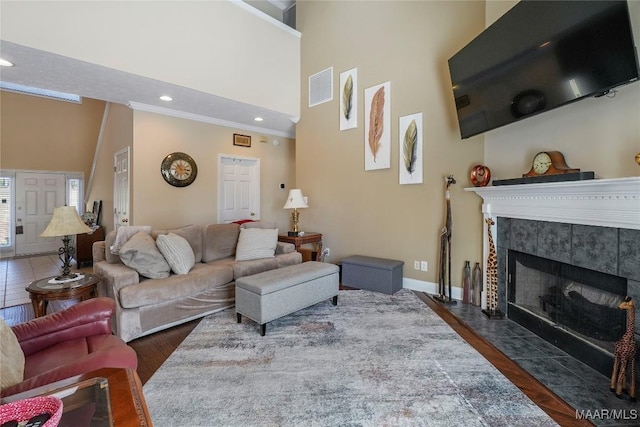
(41, 291)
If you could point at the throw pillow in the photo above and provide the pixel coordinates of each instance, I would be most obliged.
(124, 233)
(141, 254)
(177, 251)
(256, 243)
(11, 357)
(193, 234)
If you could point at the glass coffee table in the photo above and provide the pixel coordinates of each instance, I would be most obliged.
(107, 397)
(44, 290)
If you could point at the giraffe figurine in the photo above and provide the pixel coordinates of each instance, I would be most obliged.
(492, 275)
(625, 354)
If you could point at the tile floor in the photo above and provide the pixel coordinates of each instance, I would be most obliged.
(17, 273)
(576, 383)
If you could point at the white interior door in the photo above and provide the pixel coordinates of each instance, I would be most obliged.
(238, 188)
(37, 194)
(121, 190)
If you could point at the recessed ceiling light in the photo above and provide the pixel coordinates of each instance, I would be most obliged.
(5, 63)
(258, 119)
(166, 98)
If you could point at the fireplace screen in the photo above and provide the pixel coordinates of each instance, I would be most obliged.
(580, 301)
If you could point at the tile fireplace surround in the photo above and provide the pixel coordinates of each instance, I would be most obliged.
(593, 224)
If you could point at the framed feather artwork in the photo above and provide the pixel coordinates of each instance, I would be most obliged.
(377, 127)
(410, 156)
(349, 99)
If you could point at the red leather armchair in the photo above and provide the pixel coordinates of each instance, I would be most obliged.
(71, 342)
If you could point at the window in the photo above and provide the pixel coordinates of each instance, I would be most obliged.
(75, 193)
(6, 209)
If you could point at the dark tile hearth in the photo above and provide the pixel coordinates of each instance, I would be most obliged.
(576, 383)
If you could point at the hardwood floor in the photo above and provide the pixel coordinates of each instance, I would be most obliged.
(154, 349)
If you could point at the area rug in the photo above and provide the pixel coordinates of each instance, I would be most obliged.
(372, 360)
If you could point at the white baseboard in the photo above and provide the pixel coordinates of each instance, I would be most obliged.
(429, 287)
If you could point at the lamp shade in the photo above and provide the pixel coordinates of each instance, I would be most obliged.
(65, 222)
(295, 200)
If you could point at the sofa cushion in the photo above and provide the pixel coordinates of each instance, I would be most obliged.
(11, 357)
(256, 243)
(255, 266)
(220, 241)
(177, 252)
(141, 254)
(192, 233)
(151, 292)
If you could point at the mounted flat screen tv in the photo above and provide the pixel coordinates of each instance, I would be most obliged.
(541, 55)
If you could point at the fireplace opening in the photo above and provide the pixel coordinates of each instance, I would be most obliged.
(574, 308)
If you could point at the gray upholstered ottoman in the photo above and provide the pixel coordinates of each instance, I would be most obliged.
(272, 294)
(374, 274)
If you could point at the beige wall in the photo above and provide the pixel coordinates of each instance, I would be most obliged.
(44, 134)
(369, 213)
(118, 134)
(595, 134)
(162, 205)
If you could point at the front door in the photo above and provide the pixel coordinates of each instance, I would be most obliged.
(238, 188)
(37, 194)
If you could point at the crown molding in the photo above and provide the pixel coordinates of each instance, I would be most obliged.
(206, 119)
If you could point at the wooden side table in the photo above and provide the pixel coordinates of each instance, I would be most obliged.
(41, 291)
(308, 238)
(84, 246)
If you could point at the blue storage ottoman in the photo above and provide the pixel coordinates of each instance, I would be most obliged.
(374, 274)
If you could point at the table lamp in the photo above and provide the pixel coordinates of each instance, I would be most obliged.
(65, 223)
(295, 201)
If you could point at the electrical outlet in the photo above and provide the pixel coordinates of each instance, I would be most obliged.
(327, 251)
(424, 266)
(416, 265)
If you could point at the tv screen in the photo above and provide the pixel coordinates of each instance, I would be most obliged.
(541, 55)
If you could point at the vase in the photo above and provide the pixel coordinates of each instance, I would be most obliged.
(480, 175)
(466, 283)
(476, 285)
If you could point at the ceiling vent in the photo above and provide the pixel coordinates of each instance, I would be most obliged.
(321, 87)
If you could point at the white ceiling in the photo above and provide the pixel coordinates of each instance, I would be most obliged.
(46, 70)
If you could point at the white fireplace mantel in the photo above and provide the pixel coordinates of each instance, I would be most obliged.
(600, 202)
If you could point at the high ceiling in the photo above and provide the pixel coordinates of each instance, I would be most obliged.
(46, 70)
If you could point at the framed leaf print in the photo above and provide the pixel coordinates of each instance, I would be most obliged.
(410, 143)
(377, 127)
(349, 99)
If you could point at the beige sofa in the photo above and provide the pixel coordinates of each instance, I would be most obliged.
(144, 305)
